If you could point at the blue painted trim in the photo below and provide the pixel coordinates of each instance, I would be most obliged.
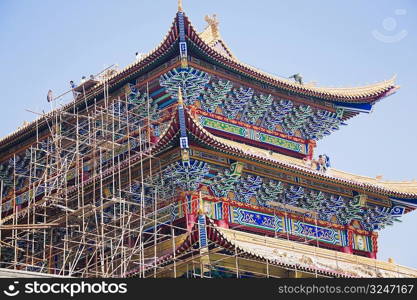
(410, 201)
(165, 104)
(181, 116)
(157, 92)
(202, 231)
(181, 26)
(360, 107)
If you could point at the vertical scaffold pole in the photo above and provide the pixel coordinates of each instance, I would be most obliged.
(1, 214)
(173, 251)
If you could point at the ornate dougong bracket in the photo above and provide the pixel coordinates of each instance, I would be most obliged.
(361, 200)
(311, 145)
(236, 169)
(225, 182)
(185, 154)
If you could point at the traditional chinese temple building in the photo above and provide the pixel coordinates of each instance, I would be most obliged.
(191, 163)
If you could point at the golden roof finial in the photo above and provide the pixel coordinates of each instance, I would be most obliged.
(214, 24)
(180, 100)
(391, 260)
(179, 5)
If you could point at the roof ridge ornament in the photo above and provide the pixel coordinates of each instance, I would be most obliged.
(297, 78)
(213, 22)
(180, 5)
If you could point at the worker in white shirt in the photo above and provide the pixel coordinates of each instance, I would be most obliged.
(49, 96)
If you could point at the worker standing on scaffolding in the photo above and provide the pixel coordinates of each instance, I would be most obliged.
(138, 56)
(50, 96)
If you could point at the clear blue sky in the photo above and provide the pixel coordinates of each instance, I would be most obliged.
(44, 44)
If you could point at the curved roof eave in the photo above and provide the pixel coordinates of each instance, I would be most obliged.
(167, 42)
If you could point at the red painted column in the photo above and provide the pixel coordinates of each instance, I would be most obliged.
(191, 218)
(225, 213)
(154, 139)
(347, 249)
(224, 221)
(311, 146)
(374, 239)
(195, 203)
(191, 210)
